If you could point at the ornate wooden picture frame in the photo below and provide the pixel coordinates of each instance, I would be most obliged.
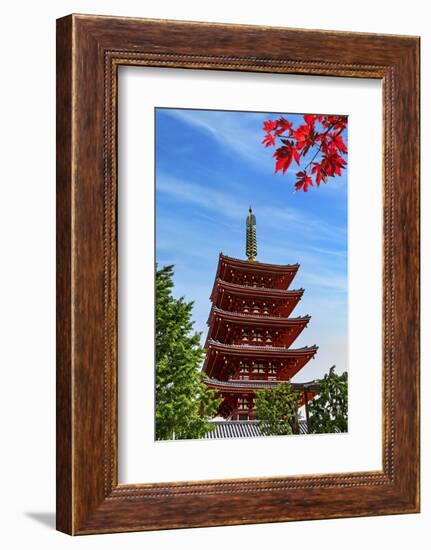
(89, 51)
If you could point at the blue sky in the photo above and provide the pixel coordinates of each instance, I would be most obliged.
(210, 167)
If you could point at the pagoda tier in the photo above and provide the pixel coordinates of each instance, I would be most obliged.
(243, 272)
(239, 395)
(245, 328)
(256, 300)
(226, 361)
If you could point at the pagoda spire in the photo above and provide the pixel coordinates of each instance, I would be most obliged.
(251, 241)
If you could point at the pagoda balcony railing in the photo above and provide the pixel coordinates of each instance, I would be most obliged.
(255, 378)
(251, 311)
(252, 284)
(256, 341)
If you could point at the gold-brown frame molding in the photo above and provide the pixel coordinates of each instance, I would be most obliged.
(89, 51)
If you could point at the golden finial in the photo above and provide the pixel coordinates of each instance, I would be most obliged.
(251, 241)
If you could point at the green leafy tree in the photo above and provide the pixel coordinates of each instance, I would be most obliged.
(184, 404)
(328, 411)
(277, 410)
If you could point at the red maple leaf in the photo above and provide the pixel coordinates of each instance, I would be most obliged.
(338, 142)
(274, 129)
(305, 137)
(337, 123)
(319, 171)
(333, 163)
(310, 119)
(269, 125)
(268, 140)
(303, 181)
(284, 156)
(283, 125)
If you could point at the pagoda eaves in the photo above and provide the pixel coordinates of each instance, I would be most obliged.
(233, 327)
(256, 266)
(225, 360)
(245, 298)
(275, 276)
(221, 284)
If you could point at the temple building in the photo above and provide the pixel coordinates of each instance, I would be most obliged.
(251, 335)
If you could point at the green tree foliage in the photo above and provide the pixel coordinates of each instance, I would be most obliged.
(183, 403)
(277, 410)
(328, 411)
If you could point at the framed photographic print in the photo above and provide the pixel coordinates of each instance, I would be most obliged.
(237, 274)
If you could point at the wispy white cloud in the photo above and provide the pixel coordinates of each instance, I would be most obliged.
(330, 252)
(242, 138)
(317, 269)
(326, 279)
(216, 201)
(209, 199)
(276, 216)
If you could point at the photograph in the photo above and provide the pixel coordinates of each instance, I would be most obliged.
(251, 282)
(214, 240)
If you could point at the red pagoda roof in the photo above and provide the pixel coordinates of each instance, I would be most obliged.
(253, 290)
(244, 385)
(240, 348)
(256, 318)
(280, 275)
(294, 359)
(257, 266)
(221, 321)
(240, 385)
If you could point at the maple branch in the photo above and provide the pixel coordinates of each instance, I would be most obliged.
(306, 137)
(320, 146)
(315, 155)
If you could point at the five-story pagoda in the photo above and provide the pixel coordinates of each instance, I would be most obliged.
(251, 331)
